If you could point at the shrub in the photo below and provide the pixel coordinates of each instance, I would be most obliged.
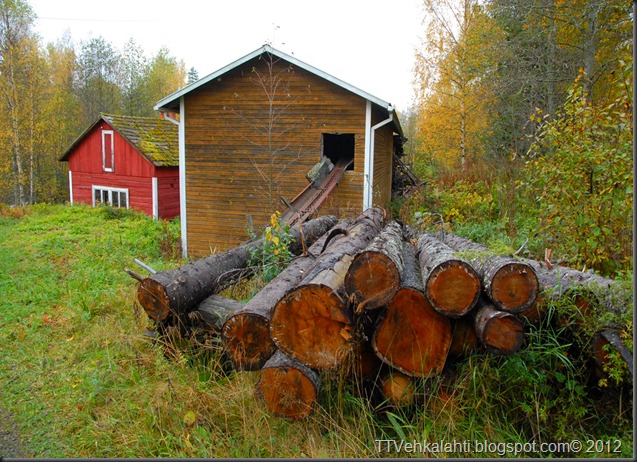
(579, 178)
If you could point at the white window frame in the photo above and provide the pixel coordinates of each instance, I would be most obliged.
(110, 195)
(104, 134)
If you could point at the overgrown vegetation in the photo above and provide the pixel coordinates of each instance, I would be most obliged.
(82, 380)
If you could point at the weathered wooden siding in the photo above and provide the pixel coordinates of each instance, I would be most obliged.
(87, 156)
(168, 192)
(383, 151)
(131, 171)
(228, 146)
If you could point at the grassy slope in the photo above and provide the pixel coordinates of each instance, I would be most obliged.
(83, 382)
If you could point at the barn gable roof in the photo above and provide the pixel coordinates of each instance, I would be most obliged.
(155, 139)
(171, 102)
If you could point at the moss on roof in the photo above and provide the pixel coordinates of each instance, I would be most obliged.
(155, 139)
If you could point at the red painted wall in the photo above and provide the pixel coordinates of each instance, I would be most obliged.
(130, 170)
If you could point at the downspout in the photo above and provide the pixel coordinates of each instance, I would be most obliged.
(170, 119)
(368, 182)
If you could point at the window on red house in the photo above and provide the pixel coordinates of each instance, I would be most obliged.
(108, 150)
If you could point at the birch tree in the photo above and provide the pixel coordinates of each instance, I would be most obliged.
(19, 62)
(454, 70)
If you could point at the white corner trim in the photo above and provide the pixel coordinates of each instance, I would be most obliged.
(369, 158)
(155, 198)
(71, 187)
(370, 133)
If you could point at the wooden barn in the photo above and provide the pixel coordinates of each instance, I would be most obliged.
(130, 162)
(251, 131)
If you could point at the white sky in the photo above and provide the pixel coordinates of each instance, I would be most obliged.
(367, 43)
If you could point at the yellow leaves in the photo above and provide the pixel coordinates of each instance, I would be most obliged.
(275, 219)
(190, 418)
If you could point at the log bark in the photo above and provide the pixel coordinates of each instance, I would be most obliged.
(610, 337)
(452, 286)
(313, 322)
(214, 310)
(500, 332)
(412, 337)
(374, 276)
(511, 284)
(589, 292)
(561, 280)
(180, 290)
(246, 333)
(288, 388)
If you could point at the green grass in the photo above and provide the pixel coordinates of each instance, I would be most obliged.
(82, 381)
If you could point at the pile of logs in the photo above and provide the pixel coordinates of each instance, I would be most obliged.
(377, 300)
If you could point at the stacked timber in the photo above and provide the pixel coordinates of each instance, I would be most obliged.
(246, 332)
(177, 292)
(371, 299)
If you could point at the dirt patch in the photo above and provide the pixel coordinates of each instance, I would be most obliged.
(10, 441)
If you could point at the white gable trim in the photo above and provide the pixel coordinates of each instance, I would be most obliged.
(291, 59)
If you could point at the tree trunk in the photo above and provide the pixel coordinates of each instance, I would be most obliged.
(288, 387)
(214, 310)
(594, 297)
(313, 322)
(451, 284)
(600, 354)
(561, 280)
(510, 284)
(499, 331)
(412, 337)
(180, 290)
(246, 333)
(374, 276)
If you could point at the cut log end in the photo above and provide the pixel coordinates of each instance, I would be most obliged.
(412, 337)
(464, 340)
(505, 336)
(373, 278)
(453, 288)
(312, 324)
(153, 297)
(499, 331)
(398, 389)
(289, 389)
(246, 341)
(514, 287)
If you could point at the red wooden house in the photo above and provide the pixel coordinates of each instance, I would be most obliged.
(130, 162)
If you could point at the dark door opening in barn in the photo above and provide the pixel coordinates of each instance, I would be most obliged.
(339, 146)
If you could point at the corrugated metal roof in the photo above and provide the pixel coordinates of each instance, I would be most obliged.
(155, 139)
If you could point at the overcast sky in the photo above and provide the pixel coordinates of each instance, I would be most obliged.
(367, 43)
